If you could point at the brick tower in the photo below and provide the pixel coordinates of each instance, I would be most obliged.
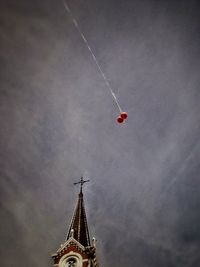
(77, 251)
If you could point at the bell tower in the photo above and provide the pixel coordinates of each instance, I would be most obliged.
(77, 251)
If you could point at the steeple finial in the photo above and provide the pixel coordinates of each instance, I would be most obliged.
(81, 182)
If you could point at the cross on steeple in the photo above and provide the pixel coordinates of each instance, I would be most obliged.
(81, 182)
(79, 227)
(77, 241)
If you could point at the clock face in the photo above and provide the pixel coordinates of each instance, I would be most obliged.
(71, 259)
(71, 262)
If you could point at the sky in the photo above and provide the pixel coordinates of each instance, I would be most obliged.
(58, 122)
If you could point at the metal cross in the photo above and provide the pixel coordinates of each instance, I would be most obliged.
(81, 182)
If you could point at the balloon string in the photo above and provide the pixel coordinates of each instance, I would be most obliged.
(92, 54)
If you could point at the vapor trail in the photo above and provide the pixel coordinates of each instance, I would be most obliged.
(92, 54)
(179, 171)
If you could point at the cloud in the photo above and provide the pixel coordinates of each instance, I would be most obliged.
(58, 122)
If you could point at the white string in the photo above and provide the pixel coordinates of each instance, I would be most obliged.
(92, 54)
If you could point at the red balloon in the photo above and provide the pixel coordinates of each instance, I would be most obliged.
(120, 119)
(124, 115)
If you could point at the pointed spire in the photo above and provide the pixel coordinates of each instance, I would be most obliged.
(79, 226)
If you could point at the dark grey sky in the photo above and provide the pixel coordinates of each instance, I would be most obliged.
(58, 121)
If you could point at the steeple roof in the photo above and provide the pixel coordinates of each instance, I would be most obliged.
(79, 227)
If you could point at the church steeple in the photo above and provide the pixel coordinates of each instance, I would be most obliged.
(79, 227)
(77, 251)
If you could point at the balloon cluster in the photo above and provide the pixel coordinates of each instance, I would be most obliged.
(123, 116)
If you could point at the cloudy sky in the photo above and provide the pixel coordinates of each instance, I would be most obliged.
(58, 122)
